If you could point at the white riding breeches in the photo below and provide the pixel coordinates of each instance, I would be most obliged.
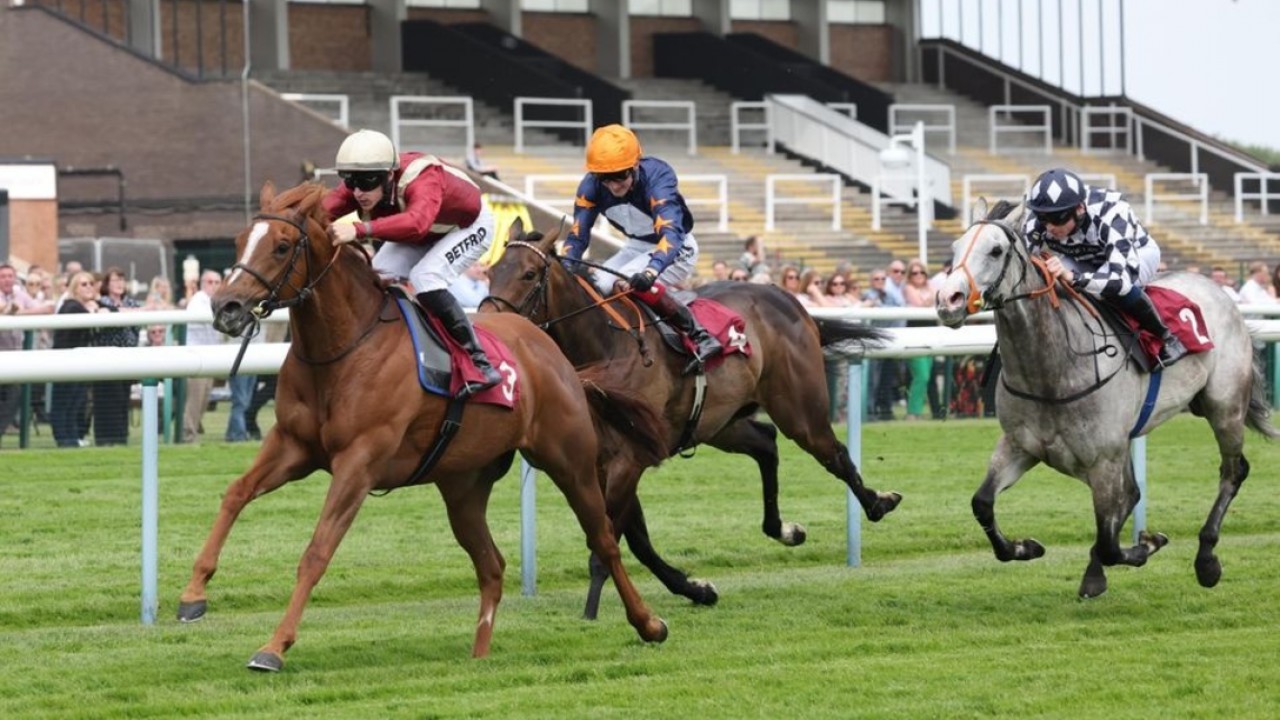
(634, 257)
(435, 266)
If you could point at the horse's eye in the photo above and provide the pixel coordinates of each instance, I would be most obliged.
(282, 247)
(530, 275)
(997, 251)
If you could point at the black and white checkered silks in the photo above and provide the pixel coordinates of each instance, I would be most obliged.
(1110, 254)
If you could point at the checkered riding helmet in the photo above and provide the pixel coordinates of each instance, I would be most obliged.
(1055, 190)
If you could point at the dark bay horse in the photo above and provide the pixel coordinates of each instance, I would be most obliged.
(1069, 397)
(784, 376)
(348, 402)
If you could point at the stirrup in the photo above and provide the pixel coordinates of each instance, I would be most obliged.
(491, 378)
(1172, 351)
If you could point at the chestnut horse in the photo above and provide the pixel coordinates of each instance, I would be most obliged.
(784, 376)
(348, 402)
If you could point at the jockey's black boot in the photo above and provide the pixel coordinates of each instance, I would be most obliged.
(1137, 304)
(675, 312)
(444, 305)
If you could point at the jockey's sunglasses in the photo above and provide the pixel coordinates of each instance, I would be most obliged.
(613, 177)
(363, 181)
(1057, 217)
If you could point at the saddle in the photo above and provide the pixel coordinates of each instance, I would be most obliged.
(444, 368)
(726, 325)
(1180, 314)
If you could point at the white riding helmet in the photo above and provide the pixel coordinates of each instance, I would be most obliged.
(367, 151)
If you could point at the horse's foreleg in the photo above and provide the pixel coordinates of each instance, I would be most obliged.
(1112, 505)
(278, 462)
(347, 492)
(760, 441)
(1008, 463)
(467, 503)
(1231, 475)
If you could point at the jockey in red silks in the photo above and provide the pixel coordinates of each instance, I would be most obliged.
(639, 195)
(431, 222)
(1102, 249)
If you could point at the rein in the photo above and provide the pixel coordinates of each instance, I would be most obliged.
(537, 297)
(273, 301)
(977, 300)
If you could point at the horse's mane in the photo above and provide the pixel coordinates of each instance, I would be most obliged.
(580, 269)
(305, 199)
(1001, 210)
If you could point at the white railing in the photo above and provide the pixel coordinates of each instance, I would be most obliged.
(947, 126)
(1263, 196)
(720, 202)
(771, 199)
(689, 125)
(466, 123)
(807, 127)
(584, 124)
(343, 104)
(1003, 123)
(1019, 184)
(1120, 125)
(1200, 181)
(737, 125)
(558, 201)
(1107, 180)
(848, 108)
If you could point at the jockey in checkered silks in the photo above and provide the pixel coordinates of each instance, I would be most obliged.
(1100, 248)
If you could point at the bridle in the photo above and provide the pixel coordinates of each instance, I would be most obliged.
(537, 298)
(977, 300)
(301, 294)
(273, 301)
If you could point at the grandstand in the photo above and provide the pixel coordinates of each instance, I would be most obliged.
(170, 117)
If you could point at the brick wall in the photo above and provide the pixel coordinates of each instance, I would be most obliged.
(863, 51)
(642, 31)
(569, 36)
(329, 37)
(87, 103)
(447, 16)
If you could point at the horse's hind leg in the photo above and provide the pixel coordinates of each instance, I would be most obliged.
(806, 422)
(1112, 505)
(1008, 463)
(278, 462)
(467, 502)
(760, 441)
(636, 531)
(1232, 473)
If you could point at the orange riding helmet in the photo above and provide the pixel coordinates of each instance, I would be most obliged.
(613, 148)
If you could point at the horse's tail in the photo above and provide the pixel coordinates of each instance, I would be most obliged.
(837, 330)
(1259, 415)
(624, 422)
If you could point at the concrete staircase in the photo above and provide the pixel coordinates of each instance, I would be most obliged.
(713, 115)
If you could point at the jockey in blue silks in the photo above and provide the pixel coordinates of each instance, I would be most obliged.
(1101, 248)
(640, 196)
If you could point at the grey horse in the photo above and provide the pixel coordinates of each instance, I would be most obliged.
(1069, 397)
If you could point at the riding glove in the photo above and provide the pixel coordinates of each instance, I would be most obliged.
(643, 281)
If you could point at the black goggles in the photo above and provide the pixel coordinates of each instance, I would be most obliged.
(1056, 217)
(364, 181)
(614, 177)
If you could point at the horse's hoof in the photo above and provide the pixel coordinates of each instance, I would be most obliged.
(1208, 570)
(264, 661)
(704, 593)
(793, 534)
(885, 503)
(1093, 585)
(189, 612)
(656, 632)
(1153, 541)
(1031, 550)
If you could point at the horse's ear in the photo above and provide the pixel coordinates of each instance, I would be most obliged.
(548, 242)
(268, 194)
(310, 201)
(978, 211)
(516, 231)
(1019, 215)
